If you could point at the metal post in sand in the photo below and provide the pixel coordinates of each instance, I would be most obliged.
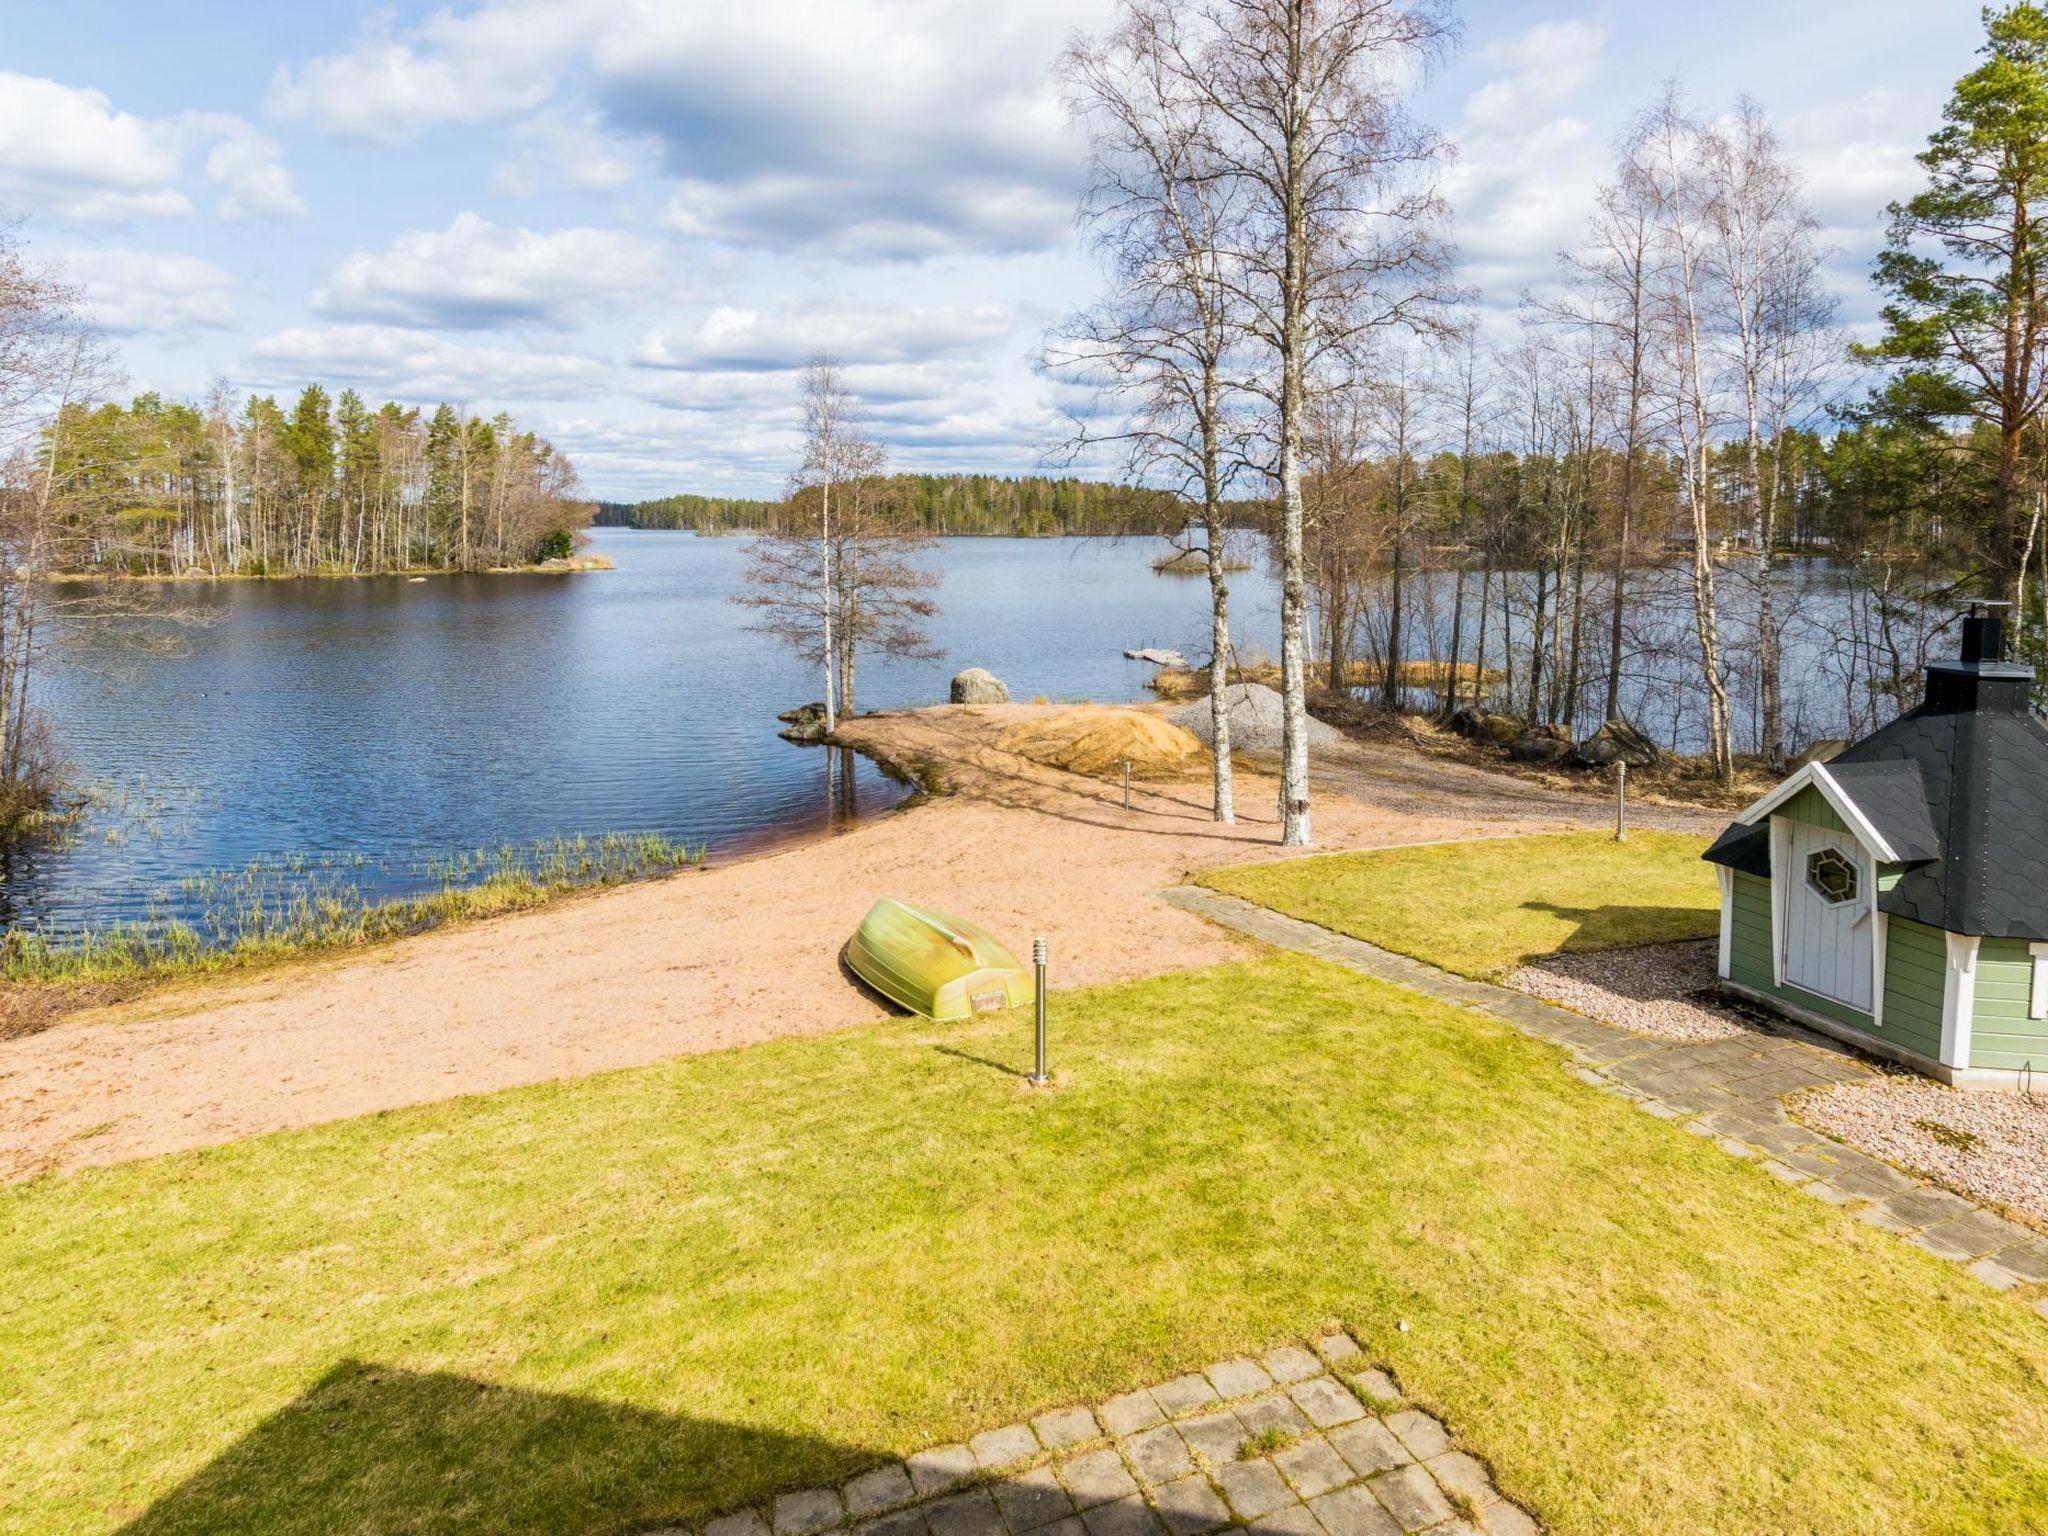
(1038, 961)
(1621, 802)
(1127, 783)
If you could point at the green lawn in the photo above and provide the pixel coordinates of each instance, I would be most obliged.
(1482, 907)
(602, 1305)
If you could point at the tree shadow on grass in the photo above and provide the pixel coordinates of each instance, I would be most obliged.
(379, 1451)
(1619, 927)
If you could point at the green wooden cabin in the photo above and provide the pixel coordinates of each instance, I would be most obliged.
(1896, 896)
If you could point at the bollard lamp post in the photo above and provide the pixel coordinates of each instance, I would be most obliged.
(1038, 962)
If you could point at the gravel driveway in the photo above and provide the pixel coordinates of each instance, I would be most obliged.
(1420, 785)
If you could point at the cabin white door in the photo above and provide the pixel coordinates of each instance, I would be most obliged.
(1830, 922)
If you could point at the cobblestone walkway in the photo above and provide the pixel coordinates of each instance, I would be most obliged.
(1302, 1442)
(1728, 1090)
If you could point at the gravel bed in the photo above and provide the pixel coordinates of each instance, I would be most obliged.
(1256, 720)
(1661, 990)
(1991, 1146)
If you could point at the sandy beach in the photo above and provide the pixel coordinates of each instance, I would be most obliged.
(734, 953)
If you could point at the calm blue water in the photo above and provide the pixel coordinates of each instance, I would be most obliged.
(373, 726)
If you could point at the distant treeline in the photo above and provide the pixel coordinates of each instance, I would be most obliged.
(1024, 506)
(706, 514)
(330, 486)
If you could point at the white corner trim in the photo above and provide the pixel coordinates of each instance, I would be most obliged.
(1881, 937)
(1958, 998)
(1781, 858)
(1725, 963)
(2037, 993)
(1817, 775)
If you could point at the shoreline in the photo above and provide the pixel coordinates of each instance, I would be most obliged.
(574, 566)
(31, 1004)
(744, 950)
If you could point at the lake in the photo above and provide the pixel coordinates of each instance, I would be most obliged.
(365, 733)
(365, 730)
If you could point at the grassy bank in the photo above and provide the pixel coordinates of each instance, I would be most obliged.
(1482, 907)
(569, 566)
(275, 910)
(604, 1305)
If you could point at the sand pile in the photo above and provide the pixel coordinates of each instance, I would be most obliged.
(1095, 739)
(1255, 720)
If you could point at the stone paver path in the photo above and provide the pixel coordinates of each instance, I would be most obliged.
(1300, 1442)
(1728, 1090)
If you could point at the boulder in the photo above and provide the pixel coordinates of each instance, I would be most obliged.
(1501, 730)
(978, 685)
(1469, 721)
(803, 714)
(1159, 657)
(1616, 742)
(1537, 748)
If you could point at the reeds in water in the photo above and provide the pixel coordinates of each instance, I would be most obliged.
(300, 903)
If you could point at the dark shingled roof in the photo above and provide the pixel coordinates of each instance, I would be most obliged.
(1959, 788)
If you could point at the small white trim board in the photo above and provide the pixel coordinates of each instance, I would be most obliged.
(1781, 859)
(1724, 966)
(2037, 991)
(1958, 999)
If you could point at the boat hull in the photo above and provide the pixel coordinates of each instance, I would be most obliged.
(930, 963)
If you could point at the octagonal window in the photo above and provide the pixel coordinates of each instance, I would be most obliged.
(1833, 876)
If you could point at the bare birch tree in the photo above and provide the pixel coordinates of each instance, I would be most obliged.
(1162, 347)
(1607, 293)
(1341, 228)
(52, 365)
(834, 451)
(1663, 168)
(837, 574)
(1766, 264)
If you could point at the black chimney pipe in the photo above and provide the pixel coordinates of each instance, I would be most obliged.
(1980, 679)
(1983, 633)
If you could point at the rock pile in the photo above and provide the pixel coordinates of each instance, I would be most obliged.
(1255, 720)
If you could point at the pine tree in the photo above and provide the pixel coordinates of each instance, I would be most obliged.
(1968, 325)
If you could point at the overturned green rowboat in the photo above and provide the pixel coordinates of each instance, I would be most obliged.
(942, 967)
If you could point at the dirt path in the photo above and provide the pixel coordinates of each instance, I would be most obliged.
(1419, 785)
(735, 953)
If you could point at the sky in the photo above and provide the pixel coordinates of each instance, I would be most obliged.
(627, 222)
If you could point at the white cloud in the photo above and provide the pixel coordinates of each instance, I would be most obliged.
(1528, 167)
(495, 59)
(414, 365)
(879, 128)
(554, 150)
(135, 292)
(1857, 155)
(69, 153)
(1544, 68)
(744, 340)
(872, 127)
(72, 154)
(249, 169)
(474, 275)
